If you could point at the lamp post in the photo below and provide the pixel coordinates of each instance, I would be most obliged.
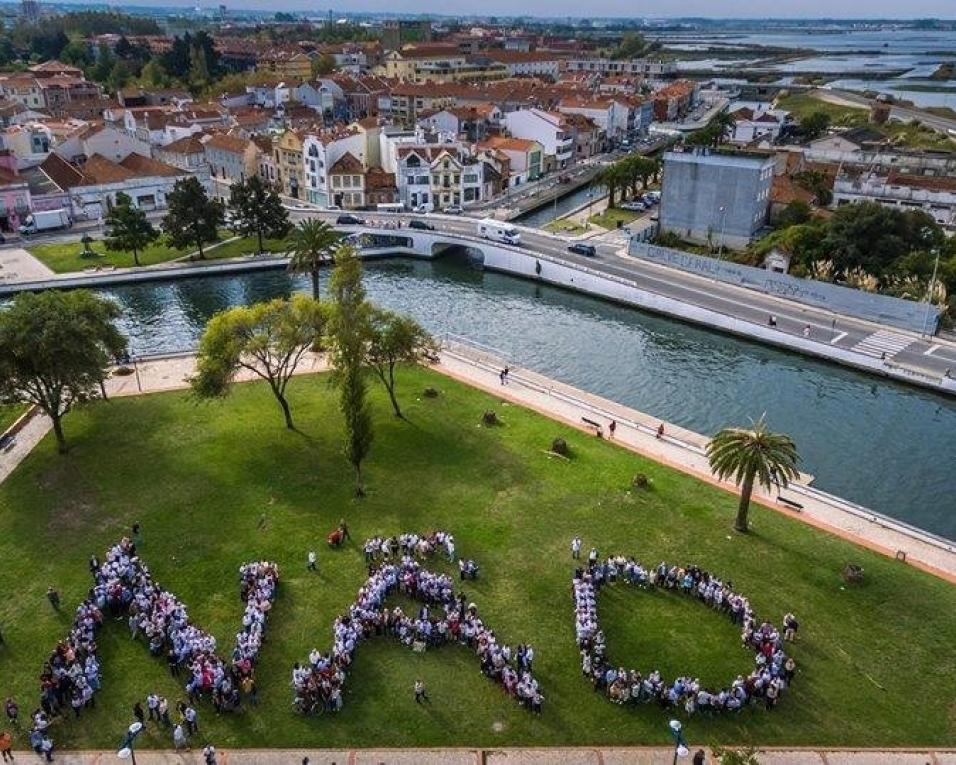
(587, 217)
(677, 733)
(127, 749)
(720, 246)
(929, 291)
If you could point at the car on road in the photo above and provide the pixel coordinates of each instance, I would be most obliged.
(349, 220)
(580, 248)
(633, 206)
(453, 210)
(420, 224)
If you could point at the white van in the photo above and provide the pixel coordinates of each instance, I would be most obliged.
(498, 231)
(390, 207)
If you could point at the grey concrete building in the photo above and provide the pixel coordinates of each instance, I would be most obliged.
(715, 197)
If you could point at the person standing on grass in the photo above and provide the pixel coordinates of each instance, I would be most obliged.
(344, 529)
(179, 738)
(311, 561)
(13, 712)
(6, 746)
(163, 710)
(54, 597)
(152, 706)
(139, 714)
(192, 720)
(576, 548)
(421, 695)
(46, 748)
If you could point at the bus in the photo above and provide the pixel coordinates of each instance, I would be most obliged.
(498, 231)
(390, 207)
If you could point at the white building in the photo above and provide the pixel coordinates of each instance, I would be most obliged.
(935, 196)
(320, 151)
(550, 129)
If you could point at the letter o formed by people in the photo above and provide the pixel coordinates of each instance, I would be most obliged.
(773, 668)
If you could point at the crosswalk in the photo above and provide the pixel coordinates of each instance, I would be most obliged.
(882, 342)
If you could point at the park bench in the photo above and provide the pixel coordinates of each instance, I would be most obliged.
(595, 426)
(7, 443)
(789, 503)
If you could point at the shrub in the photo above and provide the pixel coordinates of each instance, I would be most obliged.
(560, 446)
(490, 418)
(431, 393)
(852, 573)
(641, 481)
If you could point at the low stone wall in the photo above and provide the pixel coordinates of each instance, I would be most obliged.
(895, 312)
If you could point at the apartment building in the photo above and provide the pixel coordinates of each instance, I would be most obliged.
(646, 68)
(935, 196)
(549, 129)
(289, 167)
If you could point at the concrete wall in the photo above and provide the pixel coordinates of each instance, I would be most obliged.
(896, 312)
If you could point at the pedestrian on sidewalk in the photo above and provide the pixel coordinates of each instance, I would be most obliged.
(311, 564)
(46, 747)
(54, 597)
(772, 321)
(503, 376)
(806, 331)
(6, 746)
(611, 428)
(699, 757)
(660, 430)
(421, 695)
(209, 754)
(179, 738)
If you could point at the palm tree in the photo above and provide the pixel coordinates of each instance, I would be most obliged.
(748, 455)
(312, 241)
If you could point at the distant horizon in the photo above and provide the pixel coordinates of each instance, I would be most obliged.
(929, 10)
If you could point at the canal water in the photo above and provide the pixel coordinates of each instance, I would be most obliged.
(886, 446)
(547, 213)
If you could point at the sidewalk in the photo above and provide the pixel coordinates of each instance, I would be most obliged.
(509, 756)
(679, 448)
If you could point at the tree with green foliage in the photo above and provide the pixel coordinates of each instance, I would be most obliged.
(322, 65)
(55, 351)
(349, 330)
(267, 339)
(749, 455)
(395, 339)
(128, 229)
(77, 53)
(794, 213)
(634, 45)
(120, 75)
(154, 74)
(257, 209)
(311, 242)
(814, 124)
(193, 218)
(103, 66)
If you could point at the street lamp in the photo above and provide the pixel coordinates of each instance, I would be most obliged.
(587, 217)
(929, 291)
(677, 733)
(127, 750)
(720, 246)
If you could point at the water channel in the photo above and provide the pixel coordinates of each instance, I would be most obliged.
(884, 445)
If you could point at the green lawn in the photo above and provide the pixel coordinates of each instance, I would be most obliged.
(564, 226)
(610, 217)
(9, 414)
(910, 136)
(217, 484)
(66, 257)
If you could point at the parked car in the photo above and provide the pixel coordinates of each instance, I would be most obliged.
(420, 224)
(349, 220)
(633, 206)
(583, 249)
(423, 209)
(453, 210)
(647, 199)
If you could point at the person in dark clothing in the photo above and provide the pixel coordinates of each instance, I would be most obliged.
(54, 597)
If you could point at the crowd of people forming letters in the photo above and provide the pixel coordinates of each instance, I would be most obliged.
(124, 588)
(444, 617)
(773, 668)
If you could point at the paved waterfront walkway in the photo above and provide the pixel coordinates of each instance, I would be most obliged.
(18, 265)
(679, 448)
(556, 756)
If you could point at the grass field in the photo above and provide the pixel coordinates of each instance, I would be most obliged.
(610, 217)
(905, 135)
(66, 257)
(214, 485)
(9, 414)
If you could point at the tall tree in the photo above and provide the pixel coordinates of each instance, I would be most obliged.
(257, 209)
(349, 336)
(266, 339)
(395, 339)
(193, 218)
(752, 455)
(55, 351)
(128, 229)
(312, 241)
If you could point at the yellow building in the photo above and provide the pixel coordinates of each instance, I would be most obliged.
(286, 65)
(290, 170)
(440, 64)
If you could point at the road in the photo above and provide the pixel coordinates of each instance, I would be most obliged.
(927, 356)
(905, 114)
